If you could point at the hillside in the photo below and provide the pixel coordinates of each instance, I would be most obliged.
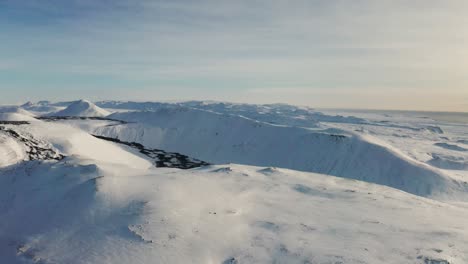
(111, 203)
(81, 108)
(15, 113)
(219, 139)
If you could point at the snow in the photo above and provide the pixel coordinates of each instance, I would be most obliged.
(271, 113)
(449, 162)
(15, 117)
(14, 113)
(81, 108)
(409, 135)
(71, 141)
(14, 109)
(450, 146)
(105, 202)
(41, 107)
(82, 213)
(11, 152)
(219, 138)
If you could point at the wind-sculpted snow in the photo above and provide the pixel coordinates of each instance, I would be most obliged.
(218, 138)
(448, 162)
(450, 146)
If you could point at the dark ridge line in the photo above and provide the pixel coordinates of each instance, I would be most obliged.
(34, 149)
(162, 159)
(16, 123)
(56, 118)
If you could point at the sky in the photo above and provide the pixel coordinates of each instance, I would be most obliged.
(388, 54)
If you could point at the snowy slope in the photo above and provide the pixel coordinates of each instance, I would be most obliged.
(11, 151)
(83, 213)
(14, 109)
(81, 108)
(41, 107)
(15, 117)
(14, 113)
(219, 139)
(104, 203)
(75, 142)
(439, 144)
(281, 114)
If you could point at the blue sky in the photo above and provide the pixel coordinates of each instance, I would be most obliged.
(330, 53)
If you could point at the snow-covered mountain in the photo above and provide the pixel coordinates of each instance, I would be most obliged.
(94, 190)
(104, 203)
(219, 138)
(15, 113)
(281, 114)
(81, 108)
(41, 107)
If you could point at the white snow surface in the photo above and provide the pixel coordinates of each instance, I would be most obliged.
(15, 113)
(11, 152)
(15, 117)
(221, 138)
(42, 107)
(83, 211)
(81, 108)
(105, 203)
(75, 142)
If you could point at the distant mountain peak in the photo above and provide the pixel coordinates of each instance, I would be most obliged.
(82, 108)
(27, 104)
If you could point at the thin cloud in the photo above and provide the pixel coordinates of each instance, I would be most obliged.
(346, 45)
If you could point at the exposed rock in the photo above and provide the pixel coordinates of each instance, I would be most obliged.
(35, 149)
(162, 158)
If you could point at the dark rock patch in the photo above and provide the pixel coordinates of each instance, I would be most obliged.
(15, 123)
(59, 118)
(36, 149)
(161, 158)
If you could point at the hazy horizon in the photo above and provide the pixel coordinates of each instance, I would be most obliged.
(337, 109)
(386, 55)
